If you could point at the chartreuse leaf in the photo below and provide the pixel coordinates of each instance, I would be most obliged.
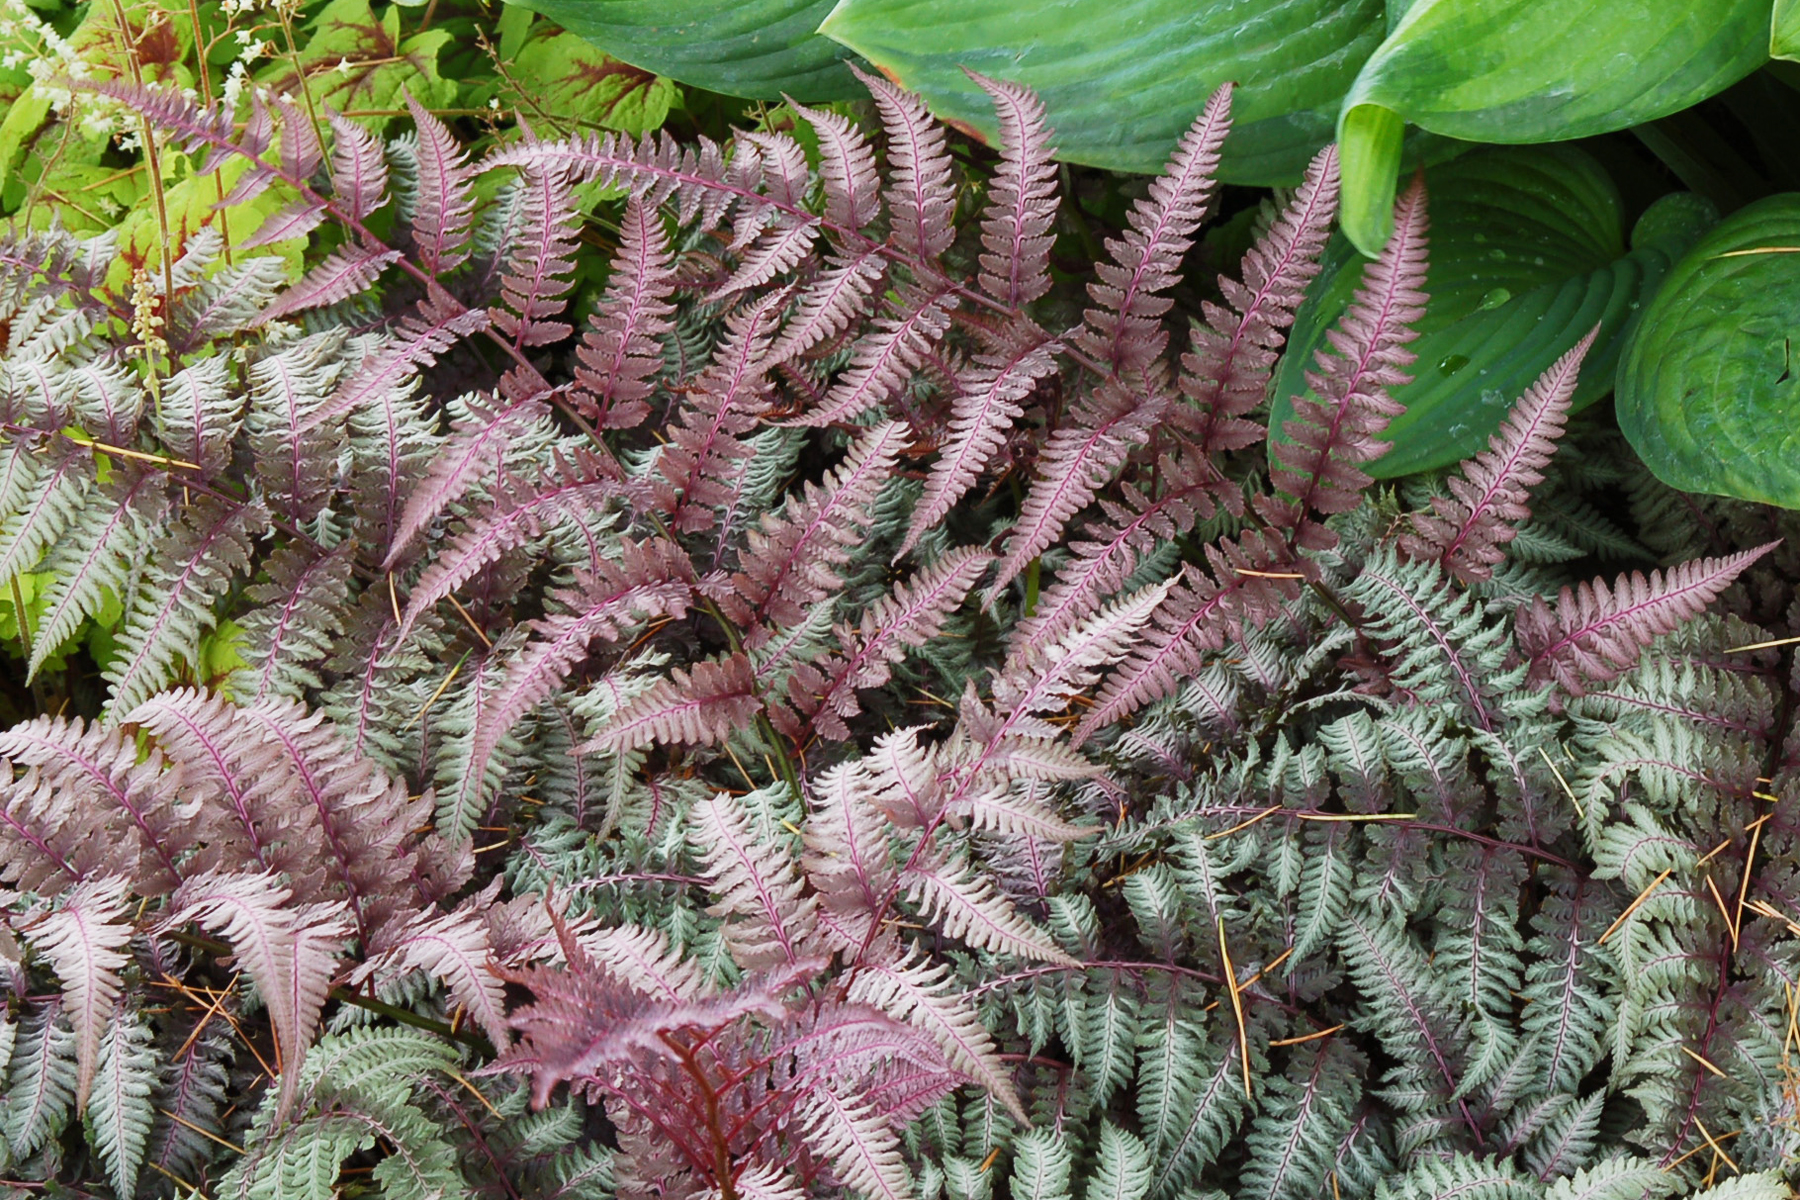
(1707, 391)
(1527, 255)
(561, 79)
(1123, 80)
(355, 61)
(1518, 71)
(1784, 30)
(761, 49)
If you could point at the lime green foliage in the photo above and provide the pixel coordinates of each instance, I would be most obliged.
(1527, 255)
(1122, 80)
(1707, 391)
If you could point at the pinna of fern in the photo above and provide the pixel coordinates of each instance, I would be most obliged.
(1156, 844)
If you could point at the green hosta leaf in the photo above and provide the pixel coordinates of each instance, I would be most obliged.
(1707, 393)
(1527, 255)
(1123, 80)
(755, 48)
(1518, 71)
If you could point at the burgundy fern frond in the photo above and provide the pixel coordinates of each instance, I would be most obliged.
(988, 400)
(573, 489)
(884, 358)
(1465, 530)
(359, 174)
(1015, 228)
(536, 282)
(444, 207)
(1226, 375)
(921, 195)
(1075, 463)
(829, 303)
(622, 348)
(1254, 577)
(1595, 633)
(653, 579)
(1319, 470)
(791, 562)
(1124, 332)
(348, 271)
(457, 948)
(846, 169)
(703, 705)
(824, 692)
(705, 456)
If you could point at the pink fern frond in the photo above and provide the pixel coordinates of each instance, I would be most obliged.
(757, 884)
(965, 904)
(1320, 469)
(846, 169)
(921, 194)
(348, 271)
(1595, 633)
(791, 562)
(1124, 332)
(1226, 374)
(884, 358)
(359, 174)
(472, 451)
(829, 303)
(444, 206)
(84, 940)
(536, 282)
(1465, 530)
(1015, 229)
(621, 350)
(1077, 461)
(989, 399)
(415, 343)
(703, 705)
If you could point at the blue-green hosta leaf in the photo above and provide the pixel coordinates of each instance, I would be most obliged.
(1122, 81)
(760, 49)
(1527, 255)
(1519, 71)
(1707, 393)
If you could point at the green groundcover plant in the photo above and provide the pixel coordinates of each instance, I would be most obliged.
(842, 704)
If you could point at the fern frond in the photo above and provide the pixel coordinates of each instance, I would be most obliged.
(1466, 529)
(444, 205)
(756, 882)
(1124, 333)
(96, 556)
(192, 565)
(1595, 633)
(83, 940)
(348, 271)
(791, 563)
(620, 351)
(703, 705)
(965, 904)
(988, 400)
(921, 197)
(1319, 469)
(883, 359)
(1015, 227)
(290, 952)
(121, 1110)
(1226, 373)
(536, 283)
